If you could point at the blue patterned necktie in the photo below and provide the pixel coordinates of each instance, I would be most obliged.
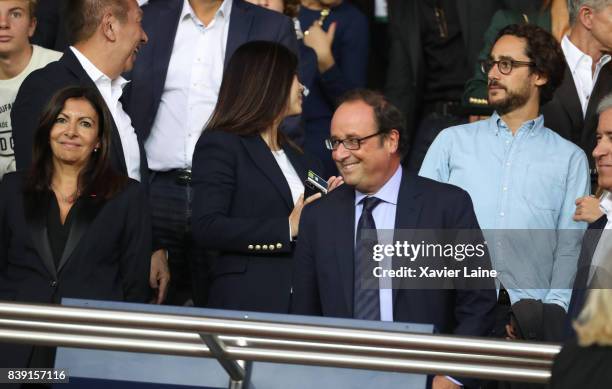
(366, 301)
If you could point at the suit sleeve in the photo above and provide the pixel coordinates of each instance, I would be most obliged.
(305, 299)
(569, 232)
(351, 60)
(288, 38)
(135, 260)
(400, 87)
(214, 183)
(474, 305)
(25, 117)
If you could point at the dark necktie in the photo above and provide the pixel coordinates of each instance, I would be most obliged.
(366, 296)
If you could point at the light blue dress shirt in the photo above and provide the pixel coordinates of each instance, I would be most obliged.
(527, 182)
(384, 217)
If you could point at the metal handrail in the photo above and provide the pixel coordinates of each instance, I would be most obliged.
(247, 339)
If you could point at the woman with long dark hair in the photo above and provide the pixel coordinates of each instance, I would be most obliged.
(248, 181)
(71, 226)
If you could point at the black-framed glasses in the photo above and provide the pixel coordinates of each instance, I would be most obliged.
(348, 143)
(505, 66)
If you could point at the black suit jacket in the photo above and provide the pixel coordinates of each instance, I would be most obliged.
(248, 22)
(323, 275)
(407, 69)
(34, 95)
(580, 289)
(563, 114)
(241, 207)
(106, 257)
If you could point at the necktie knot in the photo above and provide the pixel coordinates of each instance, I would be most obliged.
(369, 203)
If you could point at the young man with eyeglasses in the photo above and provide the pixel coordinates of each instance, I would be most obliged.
(367, 144)
(522, 177)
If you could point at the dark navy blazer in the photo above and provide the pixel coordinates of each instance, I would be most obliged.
(323, 276)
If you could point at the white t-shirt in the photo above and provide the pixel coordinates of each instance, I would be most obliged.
(293, 179)
(8, 91)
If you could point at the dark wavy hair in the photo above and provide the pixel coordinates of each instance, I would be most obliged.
(97, 179)
(255, 89)
(386, 115)
(544, 50)
(292, 8)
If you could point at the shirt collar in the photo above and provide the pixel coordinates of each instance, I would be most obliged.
(574, 56)
(530, 126)
(96, 74)
(224, 11)
(388, 193)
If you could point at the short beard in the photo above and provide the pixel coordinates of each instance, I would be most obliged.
(513, 101)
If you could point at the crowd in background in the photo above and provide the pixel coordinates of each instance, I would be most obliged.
(159, 151)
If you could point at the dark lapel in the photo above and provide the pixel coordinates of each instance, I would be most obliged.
(298, 162)
(116, 153)
(589, 244)
(568, 97)
(239, 27)
(262, 158)
(84, 215)
(166, 21)
(601, 89)
(343, 233)
(409, 205)
(35, 210)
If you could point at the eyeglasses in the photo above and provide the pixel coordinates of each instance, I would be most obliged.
(348, 143)
(505, 66)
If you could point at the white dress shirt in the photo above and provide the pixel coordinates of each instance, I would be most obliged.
(581, 65)
(191, 89)
(111, 91)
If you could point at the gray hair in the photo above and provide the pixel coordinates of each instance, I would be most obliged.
(605, 104)
(573, 6)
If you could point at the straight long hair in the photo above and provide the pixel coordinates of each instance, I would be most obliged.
(97, 178)
(255, 89)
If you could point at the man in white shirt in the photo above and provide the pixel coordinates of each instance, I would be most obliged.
(588, 78)
(106, 36)
(595, 264)
(174, 88)
(18, 58)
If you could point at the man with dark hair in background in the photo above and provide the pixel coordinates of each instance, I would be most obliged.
(367, 145)
(521, 176)
(18, 58)
(106, 36)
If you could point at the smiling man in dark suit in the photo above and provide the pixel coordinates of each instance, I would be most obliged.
(595, 263)
(173, 90)
(367, 148)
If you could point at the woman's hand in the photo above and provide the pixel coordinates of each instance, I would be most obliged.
(321, 42)
(294, 218)
(334, 182)
(587, 209)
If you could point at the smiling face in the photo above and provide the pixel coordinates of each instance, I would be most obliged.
(16, 26)
(368, 168)
(75, 133)
(603, 151)
(130, 35)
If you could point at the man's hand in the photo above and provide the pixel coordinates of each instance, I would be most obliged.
(587, 209)
(510, 332)
(441, 382)
(321, 42)
(160, 275)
